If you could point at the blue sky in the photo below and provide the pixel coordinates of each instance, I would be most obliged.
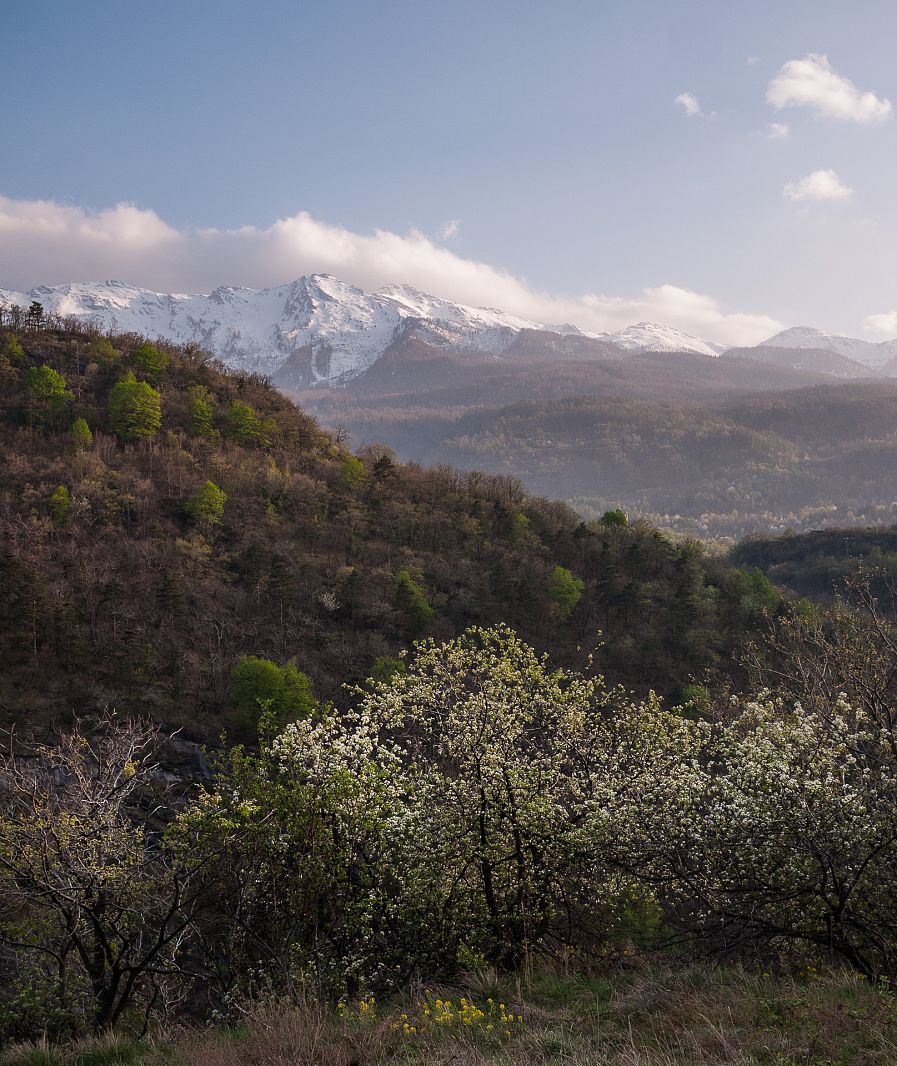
(548, 133)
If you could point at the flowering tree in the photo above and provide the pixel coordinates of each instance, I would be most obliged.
(784, 831)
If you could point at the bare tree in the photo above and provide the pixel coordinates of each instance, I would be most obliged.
(88, 881)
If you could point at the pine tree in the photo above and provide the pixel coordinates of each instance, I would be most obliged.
(80, 435)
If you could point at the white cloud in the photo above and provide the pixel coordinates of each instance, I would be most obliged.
(450, 229)
(811, 82)
(690, 103)
(884, 324)
(42, 242)
(752, 61)
(818, 185)
(778, 131)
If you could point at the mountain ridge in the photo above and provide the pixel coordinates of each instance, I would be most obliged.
(330, 330)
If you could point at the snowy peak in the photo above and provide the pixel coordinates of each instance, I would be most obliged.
(320, 330)
(868, 353)
(650, 337)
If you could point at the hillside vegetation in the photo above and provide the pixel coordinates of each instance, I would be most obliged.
(680, 442)
(162, 519)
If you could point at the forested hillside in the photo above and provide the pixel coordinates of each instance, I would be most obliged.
(662, 444)
(817, 564)
(162, 520)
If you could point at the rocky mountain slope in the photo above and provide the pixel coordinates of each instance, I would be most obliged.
(319, 330)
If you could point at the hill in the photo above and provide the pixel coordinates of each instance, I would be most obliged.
(816, 564)
(161, 518)
(712, 463)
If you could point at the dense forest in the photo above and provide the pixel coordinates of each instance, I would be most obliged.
(161, 519)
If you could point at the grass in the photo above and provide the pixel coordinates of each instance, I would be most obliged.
(694, 1016)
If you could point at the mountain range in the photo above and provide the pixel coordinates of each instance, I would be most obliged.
(319, 330)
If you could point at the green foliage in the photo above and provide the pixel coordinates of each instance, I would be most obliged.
(149, 360)
(565, 590)
(520, 528)
(757, 592)
(387, 667)
(353, 472)
(60, 504)
(48, 396)
(135, 409)
(411, 603)
(615, 517)
(206, 506)
(244, 425)
(695, 700)
(13, 351)
(202, 413)
(101, 351)
(260, 686)
(80, 435)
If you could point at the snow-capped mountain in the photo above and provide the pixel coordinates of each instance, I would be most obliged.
(649, 337)
(868, 353)
(326, 330)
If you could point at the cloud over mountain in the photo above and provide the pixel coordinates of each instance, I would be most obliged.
(45, 242)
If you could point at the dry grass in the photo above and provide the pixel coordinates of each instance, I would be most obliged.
(698, 1016)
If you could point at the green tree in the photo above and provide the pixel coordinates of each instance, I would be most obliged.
(135, 408)
(616, 517)
(244, 424)
(13, 351)
(80, 434)
(101, 351)
(353, 472)
(261, 687)
(60, 504)
(206, 505)
(150, 360)
(565, 590)
(202, 413)
(411, 603)
(47, 395)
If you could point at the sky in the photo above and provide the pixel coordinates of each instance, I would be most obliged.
(724, 167)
